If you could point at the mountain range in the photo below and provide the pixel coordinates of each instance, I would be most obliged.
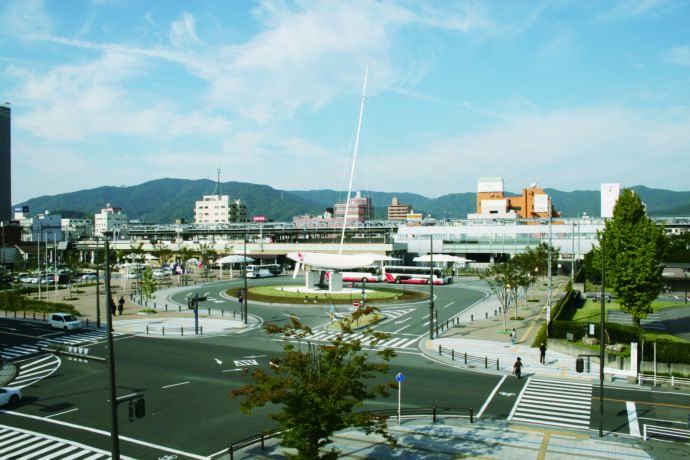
(163, 201)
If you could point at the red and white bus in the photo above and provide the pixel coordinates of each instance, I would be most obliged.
(368, 274)
(411, 275)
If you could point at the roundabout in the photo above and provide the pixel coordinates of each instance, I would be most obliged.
(295, 295)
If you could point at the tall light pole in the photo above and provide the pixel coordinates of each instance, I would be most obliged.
(114, 427)
(548, 262)
(601, 340)
(98, 294)
(685, 271)
(431, 287)
(245, 311)
(572, 264)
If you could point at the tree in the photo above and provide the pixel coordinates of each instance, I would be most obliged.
(634, 247)
(147, 284)
(316, 387)
(503, 280)
(678, 248)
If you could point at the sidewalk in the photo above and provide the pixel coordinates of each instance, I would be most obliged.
(482, 334)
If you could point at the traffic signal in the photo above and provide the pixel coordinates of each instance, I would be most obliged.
(139, 408)
(579, 365)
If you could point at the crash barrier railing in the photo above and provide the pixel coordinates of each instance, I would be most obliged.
(421, 412)
(649, 431)
(663, 380)
(463, 356)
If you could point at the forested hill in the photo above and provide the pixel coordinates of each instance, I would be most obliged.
(165, 200)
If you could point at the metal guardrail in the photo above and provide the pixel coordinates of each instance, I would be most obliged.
(659, 380)
(649, 431)
(422, 412)
(468, 358)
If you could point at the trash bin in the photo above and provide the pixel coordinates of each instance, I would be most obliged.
(579, 365)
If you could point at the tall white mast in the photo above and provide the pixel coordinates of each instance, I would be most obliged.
(354, 158)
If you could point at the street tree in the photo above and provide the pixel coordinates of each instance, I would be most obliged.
(316, 387)
(147, 284)
(503, 279)
(634, 249)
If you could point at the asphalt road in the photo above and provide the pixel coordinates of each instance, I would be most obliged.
(186, 382)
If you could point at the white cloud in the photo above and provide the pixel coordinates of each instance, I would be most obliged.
(677, 55)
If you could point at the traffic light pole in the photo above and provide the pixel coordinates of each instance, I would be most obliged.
(114, 428)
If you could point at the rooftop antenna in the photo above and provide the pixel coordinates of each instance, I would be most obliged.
(354, 158)
(217, 190)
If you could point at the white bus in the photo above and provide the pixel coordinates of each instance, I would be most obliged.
(368, 274)
(411, 275)
(263, 271)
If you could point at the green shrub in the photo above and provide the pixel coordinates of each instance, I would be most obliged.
(540, 336)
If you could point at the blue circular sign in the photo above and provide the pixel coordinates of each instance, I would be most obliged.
(399, 377)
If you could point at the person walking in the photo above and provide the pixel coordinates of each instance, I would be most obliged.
(542, 353)
(517, 367)
(120, 305)
(513, 336)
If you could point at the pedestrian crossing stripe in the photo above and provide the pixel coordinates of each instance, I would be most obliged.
(29, 445)
(246, 362)
(329, 336)
(33, 370)
(17, 351)
(555, 403)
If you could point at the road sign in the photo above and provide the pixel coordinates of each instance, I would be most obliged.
(355, 304)
(399, 377)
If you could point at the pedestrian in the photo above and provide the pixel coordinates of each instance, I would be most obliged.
(542, 353)
(121, 305)
(513, 336)
(111, 305)
(517, 367)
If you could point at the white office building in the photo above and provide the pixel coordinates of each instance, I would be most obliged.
(218, 209)
(110, 219)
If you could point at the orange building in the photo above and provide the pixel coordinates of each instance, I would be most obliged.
(493, 202)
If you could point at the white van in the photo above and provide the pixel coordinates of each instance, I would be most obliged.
(64, 321)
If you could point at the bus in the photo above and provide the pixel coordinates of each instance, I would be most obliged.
(264, 271)
(364, 274)
(411, 275)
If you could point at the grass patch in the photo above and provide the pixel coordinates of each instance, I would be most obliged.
(590, 309)
(278, 294)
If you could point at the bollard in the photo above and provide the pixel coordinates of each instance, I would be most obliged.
(495, 312)
(440, 353)
(487, 314)
(497, 367)
(201, 330)
(233, 314)
(471, 415)
(87, 322)
(209, 312)
(147, 329)
(154, 305)
(434, 412)
(179, 308)
(486, 362)
(471, 317)
(181, 330)
(163, 330)
(452, 354)
(166, 307)
(465, 357)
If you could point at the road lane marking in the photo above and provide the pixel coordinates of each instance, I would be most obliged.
(61, 413)
(446, 306)
(174, 385)
(632, 419)
(491, 396)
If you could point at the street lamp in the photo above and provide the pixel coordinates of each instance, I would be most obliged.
(685, 271)
(431, 287)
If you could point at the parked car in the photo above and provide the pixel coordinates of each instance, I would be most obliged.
(64, 321)
(10, 396)
(88, 277)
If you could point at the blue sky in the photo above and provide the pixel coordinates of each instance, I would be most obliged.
(565, 94)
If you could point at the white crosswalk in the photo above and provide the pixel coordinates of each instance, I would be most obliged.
(393, 342)
(18, 351)
(563, 403)
(31, 370)
(651, 322)
(27, 445)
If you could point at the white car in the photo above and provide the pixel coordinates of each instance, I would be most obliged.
(64, 321)
(9, 396)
